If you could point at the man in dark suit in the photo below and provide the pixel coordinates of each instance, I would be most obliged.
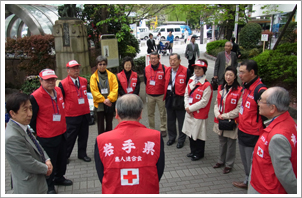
(74, 90)
(235, 47)
(150, 44)
(192, 50)
(223, 60)
(29, 162)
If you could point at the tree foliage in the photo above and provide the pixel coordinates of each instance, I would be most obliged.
(37, 49)
(250, 35)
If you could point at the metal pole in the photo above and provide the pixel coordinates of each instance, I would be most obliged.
(236, 22)
(201, 31)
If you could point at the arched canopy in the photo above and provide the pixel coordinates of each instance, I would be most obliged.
(29, 19)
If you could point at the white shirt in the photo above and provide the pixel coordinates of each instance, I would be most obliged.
(24, 127)
(174, 76)
(186, 34)
(74, 79)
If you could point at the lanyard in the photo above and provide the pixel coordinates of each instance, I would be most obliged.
(222, 96)
(79, 89)
(54, 92)
(151, 73)
(248, 94)
(106, 83)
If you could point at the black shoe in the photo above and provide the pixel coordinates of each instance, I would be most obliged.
(65, 182)
(51, 191)
(190, 155)
(195, 158)
(170, 142)
(86, 158)
(179, 145)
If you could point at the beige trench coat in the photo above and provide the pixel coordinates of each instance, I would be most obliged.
(196, 128)
(230, 115)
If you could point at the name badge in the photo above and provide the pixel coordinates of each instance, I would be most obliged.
(190, 100)
(81, 101)
(104, 91)
(169, 87)
(56, 117)
(152, 82)
(241, 110)
(129, 89)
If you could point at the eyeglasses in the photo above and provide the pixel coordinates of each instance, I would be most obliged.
(259, 101)
(102, 64)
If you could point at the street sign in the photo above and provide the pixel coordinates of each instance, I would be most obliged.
(264, 37)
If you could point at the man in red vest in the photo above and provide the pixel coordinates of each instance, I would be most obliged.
(274, 167)
(129, 159)
(154, 76)
(250, 122)
(176, 79)
(74, 90)
(49, 122)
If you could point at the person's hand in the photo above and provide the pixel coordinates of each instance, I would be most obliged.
(188, 110)
(107, 102)
(50, 167)
(216, 77)
(220, 117)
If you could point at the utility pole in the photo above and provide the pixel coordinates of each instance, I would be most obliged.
(236, 23)
(201, 30)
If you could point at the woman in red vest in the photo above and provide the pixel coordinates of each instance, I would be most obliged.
(128, 80)
(198, 97)
(227, 106)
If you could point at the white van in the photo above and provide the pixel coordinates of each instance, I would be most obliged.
(142, 33)
(165, 29)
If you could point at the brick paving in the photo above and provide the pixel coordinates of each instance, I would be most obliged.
(181, 175)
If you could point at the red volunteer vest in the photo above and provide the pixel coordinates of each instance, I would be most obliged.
(158, 76)
(123, 80)
(248, 119)
(197, 95)
(72, 96)
(231, 101)
(45, 126)
(180, 80)
(130, 160)
(263, 178)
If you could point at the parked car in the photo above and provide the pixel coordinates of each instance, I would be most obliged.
(142, 33)
(91, 107)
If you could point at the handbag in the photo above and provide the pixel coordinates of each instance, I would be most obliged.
(214, 83)
(227, 124)
(178, 102)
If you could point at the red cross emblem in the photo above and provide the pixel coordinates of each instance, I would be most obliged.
(260, 151)
(129, 177)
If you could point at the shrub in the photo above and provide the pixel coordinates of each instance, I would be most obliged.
(215, 51)
(279, 65)
(249, 53)
(290, 35)
(130, 51)
(88, 81)
(215, 44)
(38, 49)
(250, 35)
(139, 64)
(30, 85)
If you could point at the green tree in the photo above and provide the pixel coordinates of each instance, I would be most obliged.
(250, 35)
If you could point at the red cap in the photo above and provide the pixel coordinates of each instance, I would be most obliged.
(47, 74)
(72, 63)
(200, 64)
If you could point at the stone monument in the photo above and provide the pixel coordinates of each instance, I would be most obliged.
(70, 41)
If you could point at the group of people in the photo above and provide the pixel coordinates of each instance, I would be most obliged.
(156, 45)
(134, 162)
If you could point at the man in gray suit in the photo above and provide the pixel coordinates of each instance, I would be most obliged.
(223, 60)
(192, 50)
(29, 162)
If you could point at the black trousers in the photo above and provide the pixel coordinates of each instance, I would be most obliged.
(77, 127)
(172, 115)
(191, 62)
(197, 147)
(55, 148)
(101, 116)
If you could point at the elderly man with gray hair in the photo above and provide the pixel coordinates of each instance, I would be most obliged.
(223, 60)
(129, 159)
(274, 166)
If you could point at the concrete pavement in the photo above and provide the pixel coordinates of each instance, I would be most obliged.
(181, 175)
